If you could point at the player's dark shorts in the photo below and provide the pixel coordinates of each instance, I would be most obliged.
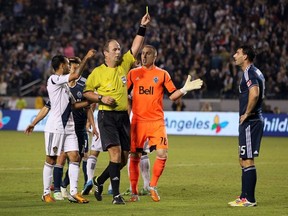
(82, 142)
(114, 127)
(250, 135)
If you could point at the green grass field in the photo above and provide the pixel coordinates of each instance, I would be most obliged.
(201, 176)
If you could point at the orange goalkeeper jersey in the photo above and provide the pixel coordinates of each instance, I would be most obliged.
(147, 86)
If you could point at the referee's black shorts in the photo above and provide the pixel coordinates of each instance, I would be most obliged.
(114, 127)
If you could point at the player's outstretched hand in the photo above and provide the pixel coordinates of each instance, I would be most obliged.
(191, 85)
(29, 129)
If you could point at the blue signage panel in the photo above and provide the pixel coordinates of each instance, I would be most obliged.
(275, 125)
(9, 119)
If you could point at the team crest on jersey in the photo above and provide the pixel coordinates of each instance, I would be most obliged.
(55, 149)
(156, 79)
(124, 80)
(79, 94)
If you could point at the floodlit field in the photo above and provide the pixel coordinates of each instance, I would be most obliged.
(201, 176)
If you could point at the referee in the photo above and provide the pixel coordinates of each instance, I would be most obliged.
(109, 80)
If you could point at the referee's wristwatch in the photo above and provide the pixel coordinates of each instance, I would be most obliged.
(100, 98)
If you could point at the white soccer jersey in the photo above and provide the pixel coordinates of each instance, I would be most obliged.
(60, 118)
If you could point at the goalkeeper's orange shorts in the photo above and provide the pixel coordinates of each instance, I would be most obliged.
(155, 131)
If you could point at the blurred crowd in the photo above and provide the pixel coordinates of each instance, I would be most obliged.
(197, 37)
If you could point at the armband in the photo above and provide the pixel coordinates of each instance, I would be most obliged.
(141, 30)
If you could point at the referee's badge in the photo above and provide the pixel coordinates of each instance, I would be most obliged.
(124, 79)
(156, 79)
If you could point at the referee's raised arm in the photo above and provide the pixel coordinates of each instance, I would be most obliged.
(139, 38)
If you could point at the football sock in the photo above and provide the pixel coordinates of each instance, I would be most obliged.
(243, 190)
(109, 187)
(250, 179)
(114, 172)
(145, 170)
(66, 180)
(73, 176)
(91, 165)
(128, 171)
(158, 168)
(134, 174)
(104, 176)
(57, 176)
(84, 169)
(47, 177)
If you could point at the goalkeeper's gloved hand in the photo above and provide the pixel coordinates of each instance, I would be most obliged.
(191, 85)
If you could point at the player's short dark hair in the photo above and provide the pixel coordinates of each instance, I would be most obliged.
(151, 47)
(249, 51)
(75, 60)
(57, 60)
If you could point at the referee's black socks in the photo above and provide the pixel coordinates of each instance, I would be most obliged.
(114, 172)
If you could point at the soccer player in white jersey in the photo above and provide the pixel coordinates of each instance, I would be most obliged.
(59, 130)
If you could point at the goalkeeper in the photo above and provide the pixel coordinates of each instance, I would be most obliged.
(148, 83)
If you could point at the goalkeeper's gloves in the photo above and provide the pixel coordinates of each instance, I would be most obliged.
(191, 85)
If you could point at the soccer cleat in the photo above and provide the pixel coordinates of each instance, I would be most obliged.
(58, 195)
(47, 198)
(144, 192)
(154, 194)
(134, 198)
(64, 192)
(77, 198)
(127, 192)
(246, 203)
(242, 203)
(235, 202)
(87, 188)
(98, 189)
(110, 192)
(118, 200)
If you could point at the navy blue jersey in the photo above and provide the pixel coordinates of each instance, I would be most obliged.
(252, 76)
(79, 115)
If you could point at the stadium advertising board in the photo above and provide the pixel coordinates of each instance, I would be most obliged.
(202, 123)
(9, 119)
(275, 125)
(26, 118)
(177, 123)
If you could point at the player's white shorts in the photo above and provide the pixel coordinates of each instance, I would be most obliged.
(96, 145)
(55, 143)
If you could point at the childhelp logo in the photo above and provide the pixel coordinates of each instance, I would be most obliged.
(3, 120)
(218, 125)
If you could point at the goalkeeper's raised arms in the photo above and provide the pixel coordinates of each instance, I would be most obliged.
(191, 85)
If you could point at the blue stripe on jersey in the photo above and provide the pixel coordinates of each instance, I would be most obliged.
(66, 114)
